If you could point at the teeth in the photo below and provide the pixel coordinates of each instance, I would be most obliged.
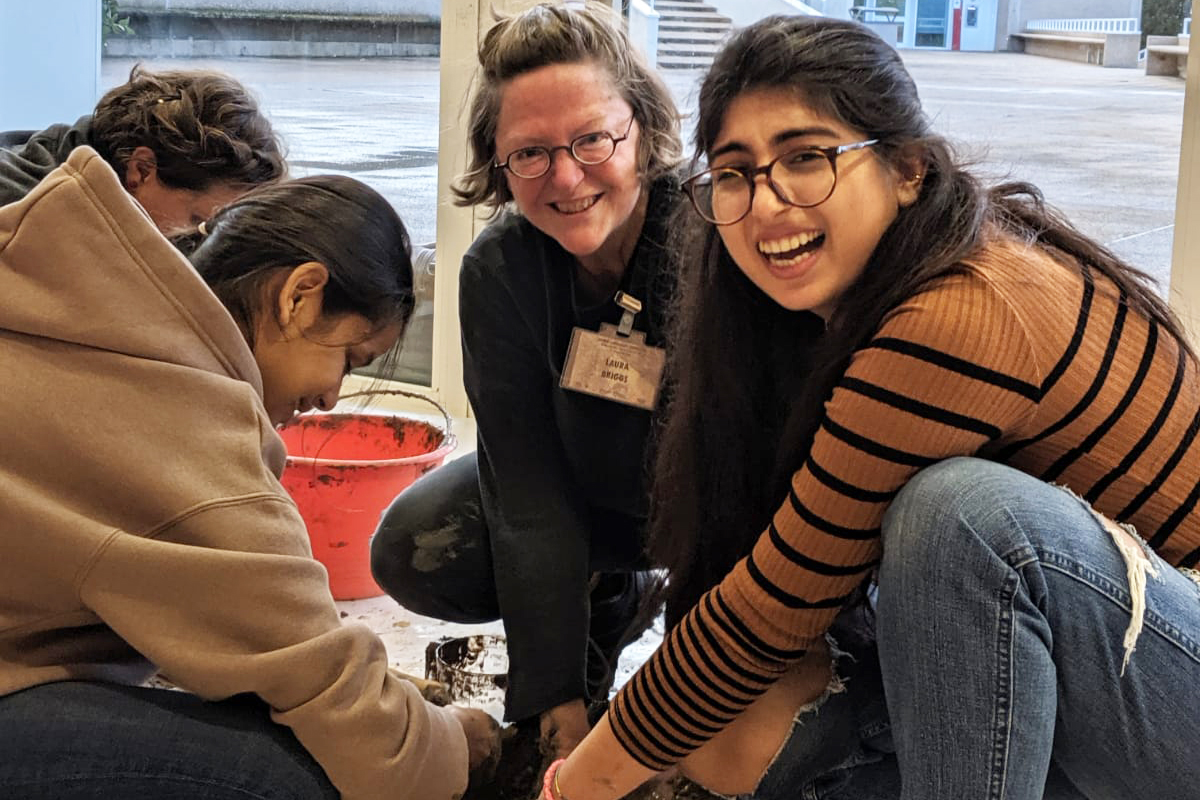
(577, 206)
(788, 243)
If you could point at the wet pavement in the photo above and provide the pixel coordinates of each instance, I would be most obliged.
(1103, 144)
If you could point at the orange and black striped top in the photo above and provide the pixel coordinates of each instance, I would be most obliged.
(1016, 358)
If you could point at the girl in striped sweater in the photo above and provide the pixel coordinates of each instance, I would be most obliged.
(888, 375)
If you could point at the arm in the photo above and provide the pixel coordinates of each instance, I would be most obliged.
(913, 396)
(225, 599)
(535, 514)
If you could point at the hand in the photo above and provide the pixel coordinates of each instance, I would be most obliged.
(435, 692)
(483, 739)
(563, 728)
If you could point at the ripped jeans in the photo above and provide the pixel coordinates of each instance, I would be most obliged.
(1003, 609)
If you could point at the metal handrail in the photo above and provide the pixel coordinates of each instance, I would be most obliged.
(1097, 25)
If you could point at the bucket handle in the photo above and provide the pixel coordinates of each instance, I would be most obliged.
(402, 393)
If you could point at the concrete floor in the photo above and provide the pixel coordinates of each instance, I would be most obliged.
(1103, 144)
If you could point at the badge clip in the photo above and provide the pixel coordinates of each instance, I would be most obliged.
(632, 306)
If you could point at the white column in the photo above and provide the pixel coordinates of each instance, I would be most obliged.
(1185, 262)
(463, 24)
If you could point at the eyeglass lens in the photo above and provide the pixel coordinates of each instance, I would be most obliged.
(800, 178)
(589, 149)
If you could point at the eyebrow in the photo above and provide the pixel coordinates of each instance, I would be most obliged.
(778, 139)
(595, 126)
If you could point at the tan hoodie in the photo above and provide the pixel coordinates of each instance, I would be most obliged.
(142, 524)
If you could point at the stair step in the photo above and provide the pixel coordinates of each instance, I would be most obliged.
(693, 36)
(678, 62)
(686, 28)
(691, 11)
(710, 46)
(673, 6)
(690, 33)
(694, 20)
(687, 52)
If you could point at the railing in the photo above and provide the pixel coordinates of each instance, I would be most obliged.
(1128, 25)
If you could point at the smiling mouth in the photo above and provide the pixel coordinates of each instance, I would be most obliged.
(791, 248)
(576, 206)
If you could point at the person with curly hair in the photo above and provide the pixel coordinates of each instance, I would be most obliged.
(183, 143)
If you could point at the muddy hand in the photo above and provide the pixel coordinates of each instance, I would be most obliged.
(435, 692)
(483, 740)
(563, 728)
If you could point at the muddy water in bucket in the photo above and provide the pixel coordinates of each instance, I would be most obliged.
(343, 470)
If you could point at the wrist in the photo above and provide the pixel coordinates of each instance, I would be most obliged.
(550, 790)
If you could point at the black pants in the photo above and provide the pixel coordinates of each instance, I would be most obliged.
(432, 554)
(432, 550)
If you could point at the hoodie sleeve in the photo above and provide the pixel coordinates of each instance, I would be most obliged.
(219, 622)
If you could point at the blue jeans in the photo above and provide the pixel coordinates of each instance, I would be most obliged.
(93, 741)
(1002, 608)
(841, 747)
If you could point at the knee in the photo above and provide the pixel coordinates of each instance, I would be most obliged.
(925, 522)
(392, 550)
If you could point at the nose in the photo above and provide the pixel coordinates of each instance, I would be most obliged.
(765, 198)
(327, 400)
(564, 169)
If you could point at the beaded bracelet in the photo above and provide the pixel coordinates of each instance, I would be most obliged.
(550, 790)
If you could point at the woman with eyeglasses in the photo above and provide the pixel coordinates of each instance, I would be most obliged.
(574, 141)
(923, 425)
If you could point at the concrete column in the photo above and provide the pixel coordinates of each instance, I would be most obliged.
(464, 23)
(1185, 261)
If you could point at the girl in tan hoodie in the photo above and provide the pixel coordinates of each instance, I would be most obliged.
(142, 525)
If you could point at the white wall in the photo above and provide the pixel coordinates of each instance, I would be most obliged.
(982, 37)
(425, 8)
(49, 61)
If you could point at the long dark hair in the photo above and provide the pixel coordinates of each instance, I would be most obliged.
(748, 379)
(331, 219)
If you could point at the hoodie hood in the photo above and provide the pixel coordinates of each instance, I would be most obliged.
(79, 249)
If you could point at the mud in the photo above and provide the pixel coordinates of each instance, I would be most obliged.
(518, 773)
(474, 670)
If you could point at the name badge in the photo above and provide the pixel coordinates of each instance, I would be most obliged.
(617, 367)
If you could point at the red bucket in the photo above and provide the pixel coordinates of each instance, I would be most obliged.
(343, 470)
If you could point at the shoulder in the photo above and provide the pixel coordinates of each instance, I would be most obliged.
(1009, 304)
(505, 238)
(53, 145)
(505, 249)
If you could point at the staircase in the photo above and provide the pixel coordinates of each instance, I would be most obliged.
(689, 33)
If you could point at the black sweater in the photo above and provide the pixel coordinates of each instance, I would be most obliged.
(23, 167)
(562, 474)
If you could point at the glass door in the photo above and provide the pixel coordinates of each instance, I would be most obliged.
(932, 23)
